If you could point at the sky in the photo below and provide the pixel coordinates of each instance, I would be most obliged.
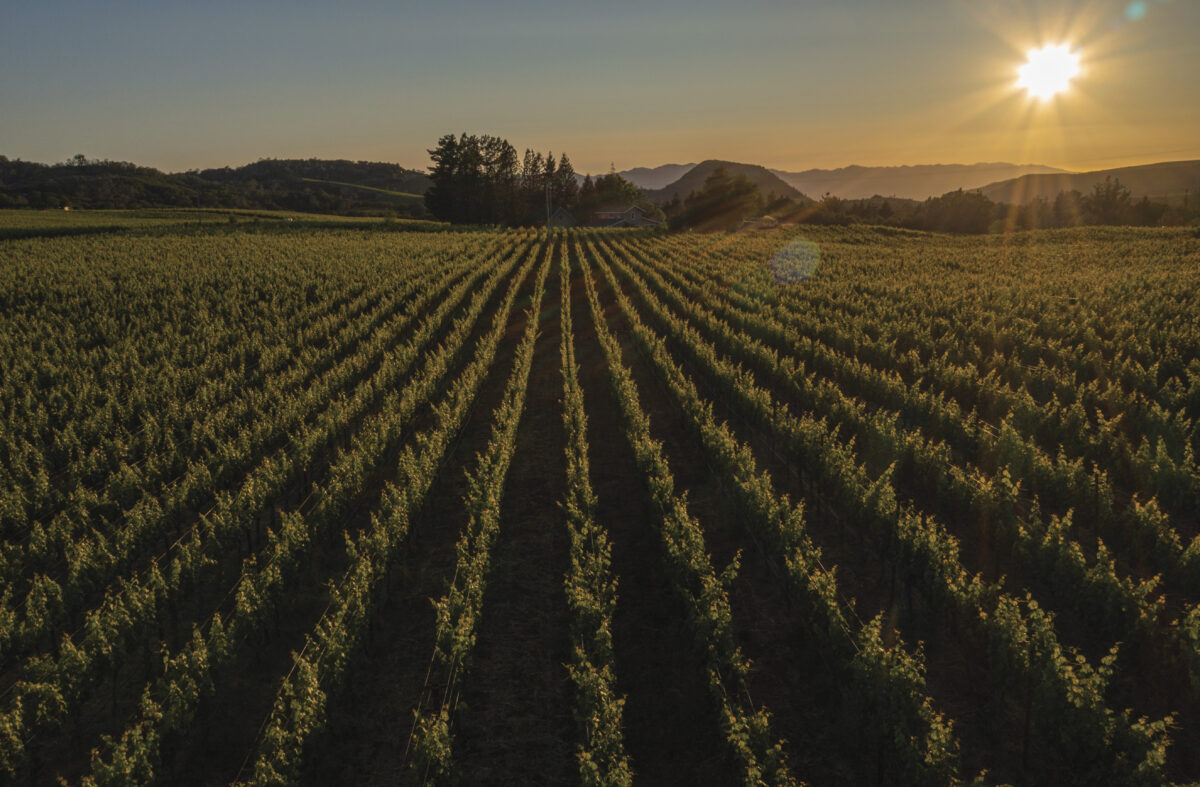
(790, 85)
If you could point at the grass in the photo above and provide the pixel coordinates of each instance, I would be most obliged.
(404, 197)
(17, 223)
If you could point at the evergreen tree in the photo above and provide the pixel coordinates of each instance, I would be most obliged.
(1108, 203)
(441, 197)
(1068, 209)
(472, 207)
(532, 189)
(612, 189)
(477, 180)
(673, 207)
(957, 211)
(566, 190)
(501, 177)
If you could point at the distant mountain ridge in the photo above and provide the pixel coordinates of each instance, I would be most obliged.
(693, 180)
(1167, 180)
(655, 177)
(342, 186)
(918, 182)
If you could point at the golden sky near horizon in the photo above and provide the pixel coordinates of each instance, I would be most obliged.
(787, 85)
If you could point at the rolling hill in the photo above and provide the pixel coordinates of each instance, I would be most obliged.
(310, 185)
(767, 182)
(655, 177)
(1166, 181)
(290, 173)
(917, 182)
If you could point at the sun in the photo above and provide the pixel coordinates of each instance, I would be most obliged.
(1048, 71)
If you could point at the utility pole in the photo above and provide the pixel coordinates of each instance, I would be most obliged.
(547, 210)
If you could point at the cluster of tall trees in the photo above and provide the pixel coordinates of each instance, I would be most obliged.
(1108, 203)
(479, 179)
(611, 191)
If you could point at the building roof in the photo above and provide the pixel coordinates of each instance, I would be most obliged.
(616, 209)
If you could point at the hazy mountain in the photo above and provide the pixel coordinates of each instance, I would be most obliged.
(912, 182)
(693, 180)
(1164, 181)
(655, 177)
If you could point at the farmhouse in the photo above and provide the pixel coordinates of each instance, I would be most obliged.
(622, 216)
(562, 218)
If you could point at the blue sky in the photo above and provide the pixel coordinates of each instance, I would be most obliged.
(792, 85)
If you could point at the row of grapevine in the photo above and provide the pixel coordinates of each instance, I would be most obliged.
(233, 513)
(92, 560)
(458, 611)
(590, 584)
(747, 731)
(1059, 480)
(170, 704)
(319, 668)
(952, 483)
(882, 688)
(107, 374)
(148, 457)
(136, 606)
(1122, 606)
(203, 428)
(1151, 448)
(1065, 695)
(1032, 309)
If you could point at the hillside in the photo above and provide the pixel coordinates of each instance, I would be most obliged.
(917, 182)
(655, 177)
(290, 172)
(309, 185)
(1167, 181)
(90, 184)
(767, 182)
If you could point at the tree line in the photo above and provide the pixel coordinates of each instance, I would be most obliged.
(726, 202)
(480, 179)
(308, 185)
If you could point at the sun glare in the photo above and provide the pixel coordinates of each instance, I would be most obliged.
(1048, 71)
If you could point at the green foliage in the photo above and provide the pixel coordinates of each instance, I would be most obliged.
(591, 588)
(478, 180)
(747, 732)
(966, 212)
(1006, 427)
(310, 186)
(721, 204)
(458, 611)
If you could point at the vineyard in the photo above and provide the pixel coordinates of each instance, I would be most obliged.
(370, 504)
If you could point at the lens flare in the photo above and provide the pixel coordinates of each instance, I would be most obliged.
(796, 261)
(1048, 71)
